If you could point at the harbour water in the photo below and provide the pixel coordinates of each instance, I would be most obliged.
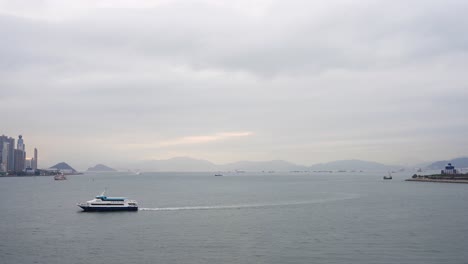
(237, 218)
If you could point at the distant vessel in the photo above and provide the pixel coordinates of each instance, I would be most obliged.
(389, 177)
(103, 203)
(60, 177)
(218, 175)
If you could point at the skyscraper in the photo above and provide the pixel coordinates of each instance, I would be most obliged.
(4, 159)
(20, 155)
(34, 163)
(10, 158)
(21, 145)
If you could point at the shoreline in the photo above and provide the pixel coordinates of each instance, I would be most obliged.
(19, 176)
(437, 180)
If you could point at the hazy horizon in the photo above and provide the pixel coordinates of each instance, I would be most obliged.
(180, 161)
(306, 82)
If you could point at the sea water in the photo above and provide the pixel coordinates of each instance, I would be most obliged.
(237, 218)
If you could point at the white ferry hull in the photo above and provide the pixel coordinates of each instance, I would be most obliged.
(103, 203)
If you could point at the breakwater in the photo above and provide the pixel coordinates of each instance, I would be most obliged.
(438, 180)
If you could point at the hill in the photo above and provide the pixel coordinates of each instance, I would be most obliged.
(181, 164)
(100, 167)
(275, 165)
(186, 164)
(352, 165)
(458, 163)
(63, 166)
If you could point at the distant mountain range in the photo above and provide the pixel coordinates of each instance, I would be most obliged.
(273, 165)
(186, 164)
(458, 163)
(63, 166)
(353, 165)
(182, 164)
(99, 168)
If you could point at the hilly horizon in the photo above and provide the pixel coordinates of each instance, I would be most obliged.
(183, 164)
(353, 164)
(461, 162)
(187, 164)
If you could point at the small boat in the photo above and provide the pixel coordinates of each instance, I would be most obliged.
(389, 177)
(218, 175)
(103, 203)
(60, 177)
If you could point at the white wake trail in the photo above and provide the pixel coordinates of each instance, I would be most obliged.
(243, 206)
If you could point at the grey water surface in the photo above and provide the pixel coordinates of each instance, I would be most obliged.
(237, 218)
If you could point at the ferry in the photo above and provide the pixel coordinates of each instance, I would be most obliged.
(60, 177)
(389, 177)
(104, 203)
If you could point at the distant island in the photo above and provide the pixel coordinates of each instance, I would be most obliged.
(64, 168)
(100, 168)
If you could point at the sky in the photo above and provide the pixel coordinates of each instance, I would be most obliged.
(117, 82)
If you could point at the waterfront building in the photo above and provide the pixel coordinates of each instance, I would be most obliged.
(449, 169)
(20, 157)
(21, 145)
(29, 171)
(28, 163)
(4, 157)
(34, 164)
(14, 160)
(10, 155)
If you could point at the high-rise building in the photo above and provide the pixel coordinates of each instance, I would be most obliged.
(20, 164)
(21, 145)
(34, 163)
(4, 158)
(10, 156)
(3, 161)
(20, 157)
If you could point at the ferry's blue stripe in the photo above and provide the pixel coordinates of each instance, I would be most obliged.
(107, 209)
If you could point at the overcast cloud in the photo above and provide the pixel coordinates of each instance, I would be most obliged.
(304, 81)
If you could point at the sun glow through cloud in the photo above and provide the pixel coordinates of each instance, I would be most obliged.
(203, 139)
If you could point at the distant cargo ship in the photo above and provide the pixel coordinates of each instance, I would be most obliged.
(103, 203)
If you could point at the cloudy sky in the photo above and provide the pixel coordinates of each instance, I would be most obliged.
(119, 81)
